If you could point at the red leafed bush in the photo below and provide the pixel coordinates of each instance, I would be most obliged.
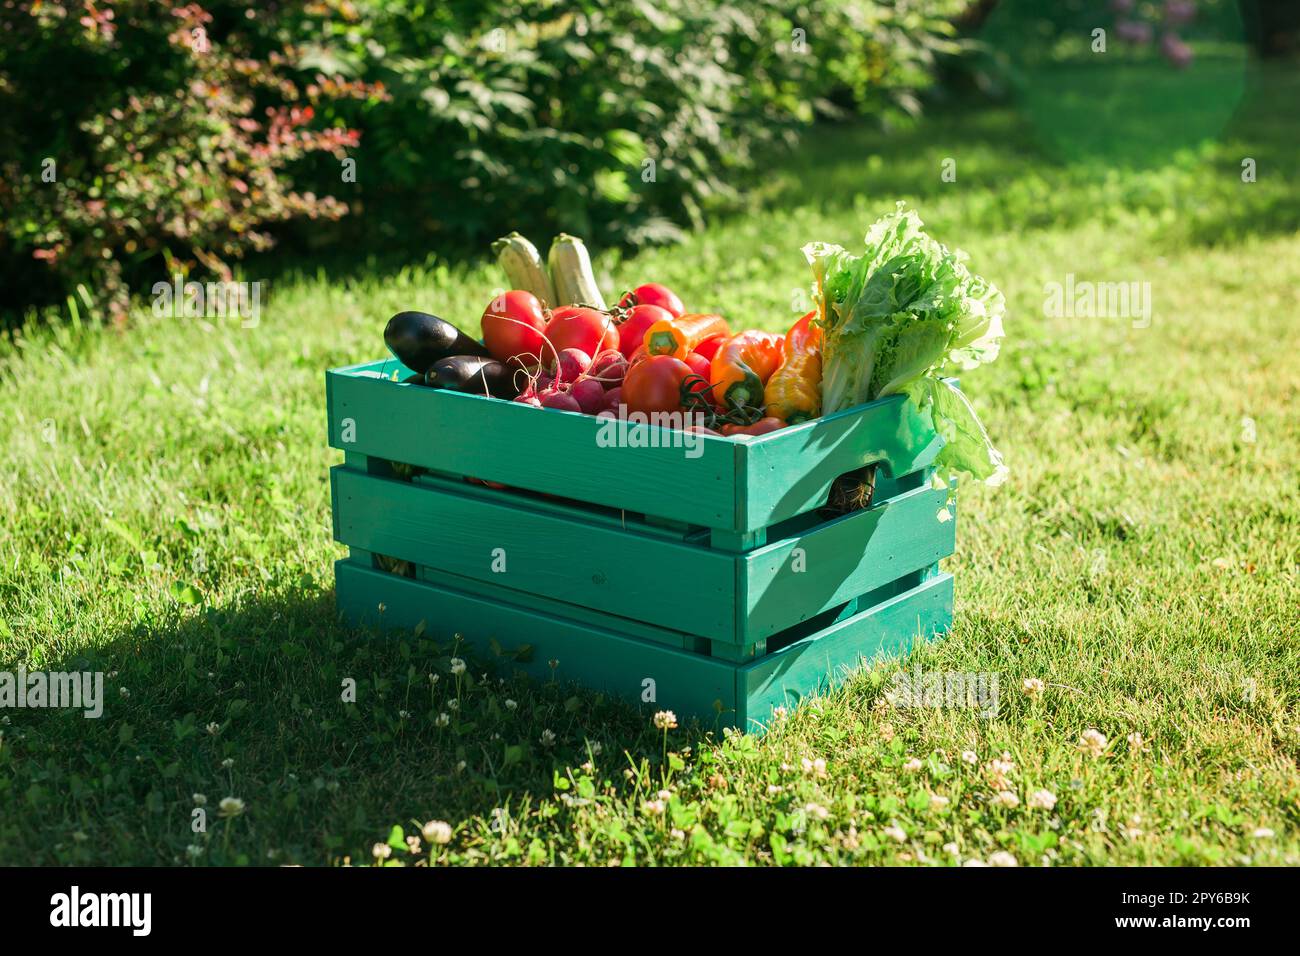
(136, 131)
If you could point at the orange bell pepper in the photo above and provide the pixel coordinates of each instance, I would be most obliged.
(678, 337)
(794, 392)
(742, 367)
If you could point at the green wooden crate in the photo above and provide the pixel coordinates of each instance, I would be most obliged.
(700, 579)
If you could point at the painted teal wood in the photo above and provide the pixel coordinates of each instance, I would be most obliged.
(537, 602)
(732, 486)
(790, 471)
(640, 573)
(586, 563)
(655, 566)
(821, 662)
(842, 559)
(539, 449)
(654, 676)
(598, 659)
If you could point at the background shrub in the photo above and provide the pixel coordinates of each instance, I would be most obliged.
(185, 133)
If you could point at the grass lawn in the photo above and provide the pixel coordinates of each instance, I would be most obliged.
(164, 517)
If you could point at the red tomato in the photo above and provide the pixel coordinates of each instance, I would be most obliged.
(512, 326)
(631, 334)
(709, 347)
(700, 366)
(652, 293)
(575, 327)
(655, 385)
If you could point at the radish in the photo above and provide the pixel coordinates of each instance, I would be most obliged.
(589, 394)
(571, 365)
(554, 398)
(613, 398)
(609, 367)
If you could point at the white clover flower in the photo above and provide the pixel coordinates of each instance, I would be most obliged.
(938, 801)
(1006, 798)
(1003, 858)
(381, 851)
(453, 704)
(413, 844)
(970, 757)
(404, 714)
(230, 807)
(1032, 687)
(437, 832)
(665, 720)
(1042, 800)
(124, 692)
(895, 833)
(434, 678)
(596, 748)
(194, 851)
(1263, 833)
(664, 795)
(1093, 742)
(816, 811)
(677, 834)
(199, 800)
(952, 849)
(974, 863)
(652, 808)
(228, 763)
(1138, 743)
(214, 728)
(548, 738)
(779, 713)
(510, 704)
(457, 666)
(913, 765)
(442, 720)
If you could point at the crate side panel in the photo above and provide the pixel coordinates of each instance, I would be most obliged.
(672, 585)
(791, 471)
(799, 577)
(562, 453)
(686, 683)
(823, 661)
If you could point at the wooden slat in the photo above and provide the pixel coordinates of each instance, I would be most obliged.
(841, 559)
(539, 449)
(822, 661)
(686, 683)
(590, 564)
(790, 471)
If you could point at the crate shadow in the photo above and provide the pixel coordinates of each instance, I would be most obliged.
(320, 777)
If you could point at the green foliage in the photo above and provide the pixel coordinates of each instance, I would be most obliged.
(189, 131)
(607, 118)
(139, 130)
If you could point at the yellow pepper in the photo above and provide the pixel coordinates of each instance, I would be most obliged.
(794, 392)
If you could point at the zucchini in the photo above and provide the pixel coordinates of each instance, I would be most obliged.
(524, 268)
(575, 283)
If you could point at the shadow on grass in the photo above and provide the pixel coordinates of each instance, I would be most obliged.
(260, 684)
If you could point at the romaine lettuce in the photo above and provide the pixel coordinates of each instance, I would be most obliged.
(896, 319)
